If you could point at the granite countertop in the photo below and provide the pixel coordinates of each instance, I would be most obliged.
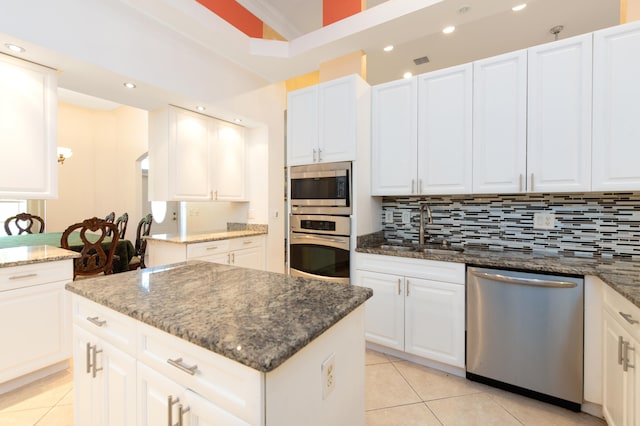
(257, 318)
(619, 273)
(26, 255)
(205, 236)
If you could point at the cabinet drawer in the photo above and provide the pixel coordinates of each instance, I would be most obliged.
(231, 386)
(34, 274)
(625, 312)
(246, 242)
(206, 249)
(435, 270)
(116, 328)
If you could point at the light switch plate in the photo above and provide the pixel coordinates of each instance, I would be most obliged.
(406, 217)
(544, 220)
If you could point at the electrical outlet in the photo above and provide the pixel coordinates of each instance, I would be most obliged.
(544, 220)
(406, 217)
(388, 216)
(328, 371)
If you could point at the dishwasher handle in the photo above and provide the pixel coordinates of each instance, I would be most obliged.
(525, 281)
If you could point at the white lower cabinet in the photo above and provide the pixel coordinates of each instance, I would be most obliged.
(621, 360)
(418, 306)
(105, 382)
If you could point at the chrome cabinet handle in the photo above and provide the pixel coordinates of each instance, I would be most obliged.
(181, 413)
(94, 370)
(531, 182)
(628, 318)
(407, 288)
(413, 184)
(314, 155)
(247, 242)
(233, 258)
(170, 404)
(520, 183)
(419, 186)
(398, 286)
(620, 343)
(228, 258)
(216, 194)
(625, 361)
(96, 321)
(319, 154)
(21, 277)
(88, 357)
(181, 366)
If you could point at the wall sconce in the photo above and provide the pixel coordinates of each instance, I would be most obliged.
(63, 154)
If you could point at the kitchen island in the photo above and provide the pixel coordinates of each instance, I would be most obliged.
(218, 342)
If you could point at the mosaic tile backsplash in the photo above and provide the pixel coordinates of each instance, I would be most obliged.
(586, 224)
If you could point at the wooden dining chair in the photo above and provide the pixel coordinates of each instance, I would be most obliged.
(121, 224)
(97, 252)
(143, 230)
(25, 223)
(111, 217)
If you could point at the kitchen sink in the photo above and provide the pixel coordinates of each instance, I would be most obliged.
(440, 250)
(395, 248)
(429, 249)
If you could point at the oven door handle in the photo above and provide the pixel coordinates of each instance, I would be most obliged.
(318, 174)
(342, 243)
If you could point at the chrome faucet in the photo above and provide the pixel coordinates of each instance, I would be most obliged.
(424, 207)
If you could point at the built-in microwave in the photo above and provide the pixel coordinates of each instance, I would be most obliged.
(321, 189)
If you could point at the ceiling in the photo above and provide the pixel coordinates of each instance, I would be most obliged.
(181, 53)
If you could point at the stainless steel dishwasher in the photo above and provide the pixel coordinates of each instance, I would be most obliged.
(525, 333)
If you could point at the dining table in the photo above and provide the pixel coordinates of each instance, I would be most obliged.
(124, 248)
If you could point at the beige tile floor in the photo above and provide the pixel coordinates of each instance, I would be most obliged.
(399, 393)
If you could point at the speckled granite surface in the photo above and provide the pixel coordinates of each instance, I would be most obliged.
(206, 236)
(257, 318)
(621, 275)
(18, 256)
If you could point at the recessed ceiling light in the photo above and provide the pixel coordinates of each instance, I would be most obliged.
(449, 29)
(388, 48)
(407, 74)
(129, 85)
(14, 48)
(200, 108)
(519, 7)
(237, 120)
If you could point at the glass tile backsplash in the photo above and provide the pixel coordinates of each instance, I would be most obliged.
(586, 224)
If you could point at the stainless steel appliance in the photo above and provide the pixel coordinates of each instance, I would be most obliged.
(319, 247)
(321, 189)
(525, 333)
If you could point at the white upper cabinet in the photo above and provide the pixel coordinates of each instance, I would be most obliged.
(500, 123)
(616, 111)
(445, 131)
(194, 157)
(28, 130)
(559, 116)
(228, 166)
(394, 137)
(323, 121)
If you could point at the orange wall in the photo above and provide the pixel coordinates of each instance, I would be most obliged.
(335, 10)
(232, 12)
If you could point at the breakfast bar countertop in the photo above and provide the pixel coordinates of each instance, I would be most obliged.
(19, 256)
(257, 318)
(205, 236)
(621, 274)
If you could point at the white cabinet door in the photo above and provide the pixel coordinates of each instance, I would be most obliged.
(559, 116)
(105, 382)
(616, 91)
(337, 120)
(445, 131)
(189, 156)
(619, 386)
(36, 329)
(434, 321)
(500, 123)
(154, 391)
(28, 130)
(249, 258)
(228, 161)
(394, 137)
(384, 311)
(204, 413)
(302, 126)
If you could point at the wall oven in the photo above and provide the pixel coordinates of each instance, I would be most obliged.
(321, 189)
(319, 247)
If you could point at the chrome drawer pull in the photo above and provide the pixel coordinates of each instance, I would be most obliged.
(96, 321)
(179, 365)
(247, 242)
(628, 318)
(625, 361)
(21, 277)
(212, 248)
(170, 402)
(89, 348)
(181, 413)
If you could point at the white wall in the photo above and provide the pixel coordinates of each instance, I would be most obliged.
(214, 216)
(101, 176)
